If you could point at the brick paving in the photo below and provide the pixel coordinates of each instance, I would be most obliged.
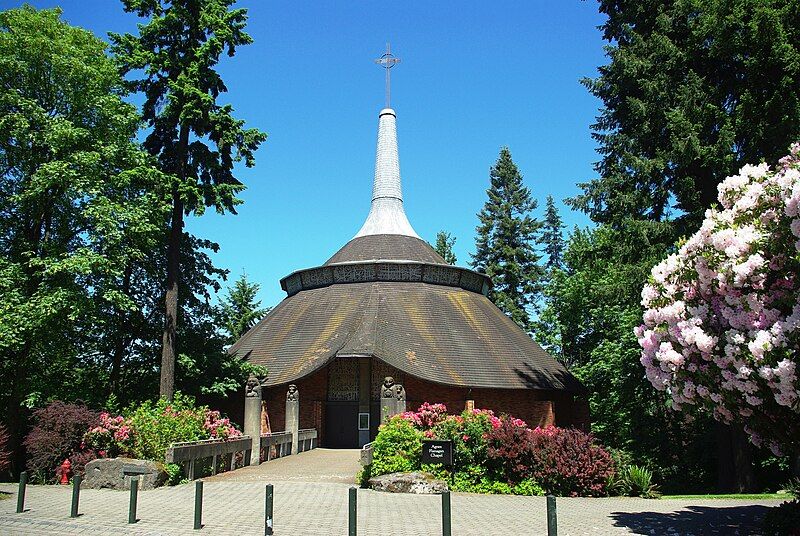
(234, 504)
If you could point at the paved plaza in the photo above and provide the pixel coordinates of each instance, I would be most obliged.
(234, 504)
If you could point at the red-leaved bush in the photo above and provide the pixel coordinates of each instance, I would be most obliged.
(510, 448)
(567, 462)
(5, 455)
(58, 432)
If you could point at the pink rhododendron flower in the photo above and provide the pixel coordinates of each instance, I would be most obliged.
(721, 326)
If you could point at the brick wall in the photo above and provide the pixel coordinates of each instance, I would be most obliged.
(537, 408)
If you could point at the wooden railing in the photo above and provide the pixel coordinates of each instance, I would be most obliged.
(190, 451)
(274, 445)
(306, 439)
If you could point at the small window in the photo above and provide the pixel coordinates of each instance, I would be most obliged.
(363, 421)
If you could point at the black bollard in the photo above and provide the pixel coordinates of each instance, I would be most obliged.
(198, 505)
(76, 495)
(446, 530)
(353, 512)
(23, 481)
(134, 498)
(268, 511)
(552, 522)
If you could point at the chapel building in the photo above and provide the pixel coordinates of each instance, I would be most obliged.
(386, 304)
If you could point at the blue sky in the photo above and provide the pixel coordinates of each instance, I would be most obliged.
(474, 76)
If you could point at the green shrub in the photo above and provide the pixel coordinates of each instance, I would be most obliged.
(363, 476)
(793, 487)
(528, 487)
(636, 481)
(397, 448)
(174, 473)
(158, 425)
(783, 520)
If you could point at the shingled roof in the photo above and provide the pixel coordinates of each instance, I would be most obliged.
(387, 294)
(386, 247)
(442, 334)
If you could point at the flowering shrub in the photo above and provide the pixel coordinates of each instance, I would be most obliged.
(397, 448)
(567, 462)
(511, 448)
(219, 427)
(720, 330)
(427, 416)
(57, 433)
(157, 425)
(110, 438)
(493, 454)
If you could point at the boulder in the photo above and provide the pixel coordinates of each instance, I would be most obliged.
(116, 473)
(408, 483)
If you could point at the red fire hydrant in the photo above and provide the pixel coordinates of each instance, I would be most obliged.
(66, 469)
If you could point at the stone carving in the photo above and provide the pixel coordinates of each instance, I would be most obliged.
(293, 395)
(387, 391)
(392, 390)
(252, 388)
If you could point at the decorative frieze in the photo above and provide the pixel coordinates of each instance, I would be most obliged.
(437, 274)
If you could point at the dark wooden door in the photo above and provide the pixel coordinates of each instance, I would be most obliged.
(341, 425)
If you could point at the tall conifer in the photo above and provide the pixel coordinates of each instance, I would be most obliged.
(196, 140)
(507, 234)
(444, 246)
(552, 235)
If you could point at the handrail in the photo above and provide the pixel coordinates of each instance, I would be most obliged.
(366, 454)
(205, 448)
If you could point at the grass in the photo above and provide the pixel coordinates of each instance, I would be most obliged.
(742, 496)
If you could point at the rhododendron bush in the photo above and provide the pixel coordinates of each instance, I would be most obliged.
(142, 431)
(721, 328)
(494, 454)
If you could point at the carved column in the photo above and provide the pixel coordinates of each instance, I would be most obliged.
(393, 399)
(252, 418)
(293, 415)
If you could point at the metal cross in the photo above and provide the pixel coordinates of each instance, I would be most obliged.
(387, 61)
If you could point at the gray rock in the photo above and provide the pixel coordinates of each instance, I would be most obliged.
(408, 483)
(116, 473)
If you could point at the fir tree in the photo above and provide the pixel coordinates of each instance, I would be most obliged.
(505, 243)
(444, 246)
(239, 310)
(196, 140)
(552, 236)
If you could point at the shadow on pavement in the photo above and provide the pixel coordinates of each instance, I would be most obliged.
(695, 520)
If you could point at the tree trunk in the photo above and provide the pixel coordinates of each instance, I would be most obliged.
(169, 352)
(734, 464)
(169, 342)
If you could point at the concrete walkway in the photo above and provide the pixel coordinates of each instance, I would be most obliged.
(318, 465)
(311, 492)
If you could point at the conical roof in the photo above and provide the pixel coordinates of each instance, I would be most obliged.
(387, 294)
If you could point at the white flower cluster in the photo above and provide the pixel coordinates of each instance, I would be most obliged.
(721, 328)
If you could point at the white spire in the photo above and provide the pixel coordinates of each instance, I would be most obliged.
(386, 215)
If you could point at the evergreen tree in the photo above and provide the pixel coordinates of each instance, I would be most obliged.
(692, 92)
(239, 310)
(505, 241)
(196, 140)
(552, 235)
(444, 246)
